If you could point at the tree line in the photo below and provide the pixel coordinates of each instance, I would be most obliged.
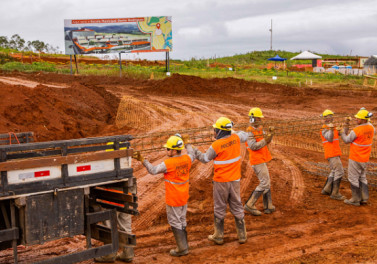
(17, 43)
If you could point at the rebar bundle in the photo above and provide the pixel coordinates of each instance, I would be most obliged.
(300, 133)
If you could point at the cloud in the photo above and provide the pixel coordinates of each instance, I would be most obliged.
(203, 28)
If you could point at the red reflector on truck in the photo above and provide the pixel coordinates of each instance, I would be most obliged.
(41, 173)
(83, 168)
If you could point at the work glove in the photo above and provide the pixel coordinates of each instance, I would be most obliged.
(340, 129)
(271, 129)
(185, 139)
(137, 155)
(268, 138)
(348, 119)
(331, 125)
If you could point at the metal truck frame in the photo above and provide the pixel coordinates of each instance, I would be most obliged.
(57, 189)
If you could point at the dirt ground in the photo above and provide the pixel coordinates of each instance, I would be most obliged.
(307, 227)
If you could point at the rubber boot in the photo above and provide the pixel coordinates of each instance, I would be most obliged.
(181, 240)
(106, 259)
(250, 204)
(241, 230)
(364, 192)
(267, 203)
(335, 194)
(356, 196)
(328, 186)
(218, 235)
(127, 254)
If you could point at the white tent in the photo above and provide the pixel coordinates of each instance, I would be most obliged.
(306, 55)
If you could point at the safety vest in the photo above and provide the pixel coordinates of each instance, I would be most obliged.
(261, 155)
(332, 149)
(227, 164)
(361, 147)
(177, 180)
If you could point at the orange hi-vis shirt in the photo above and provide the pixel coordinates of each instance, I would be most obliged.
(177, 180)
(332, 149)
(261, 155)
(227, 164)
(361, 147)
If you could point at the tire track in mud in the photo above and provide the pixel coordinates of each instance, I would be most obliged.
(298, 185)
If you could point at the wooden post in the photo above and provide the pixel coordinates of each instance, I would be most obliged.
(70, 63)
(77, 68)
(120, 64)
(167, 61)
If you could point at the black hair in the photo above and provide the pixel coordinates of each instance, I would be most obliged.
(222, 133)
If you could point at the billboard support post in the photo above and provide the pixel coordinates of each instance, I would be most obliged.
(70, 63)
(167, 62)
(77, 68)
(120, 64)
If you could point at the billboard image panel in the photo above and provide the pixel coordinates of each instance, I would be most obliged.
(101, 36)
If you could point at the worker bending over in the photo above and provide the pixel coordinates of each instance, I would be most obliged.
(259, 155)
(361, 139)
(176, 174)
(330, 140)
(226, 153)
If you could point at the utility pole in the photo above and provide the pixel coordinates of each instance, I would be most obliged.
(271, 35)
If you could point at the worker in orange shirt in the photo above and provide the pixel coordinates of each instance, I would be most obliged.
(361, 139)
(330, 140)
(226, 155)
(259, 155)
(176, 174)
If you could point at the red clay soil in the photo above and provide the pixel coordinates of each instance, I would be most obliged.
(307, 227)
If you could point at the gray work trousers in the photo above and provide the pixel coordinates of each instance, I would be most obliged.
(357, 172)
(227, 192)
(124, 222)
(177, 216)
(336, 168)
(263, 175)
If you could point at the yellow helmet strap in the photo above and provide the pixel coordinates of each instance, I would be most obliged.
(228, 126)
(178, 144)
(252, 119)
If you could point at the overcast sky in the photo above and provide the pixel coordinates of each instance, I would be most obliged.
(205, 28)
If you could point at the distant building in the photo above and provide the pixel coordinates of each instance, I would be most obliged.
(355, 62)
(85, 32)
(370, 65)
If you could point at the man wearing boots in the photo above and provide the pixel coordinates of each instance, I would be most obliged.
(124, 222)
(176, 174)
(259, 155)
(361, 139)
(330, 140)
(226, 155)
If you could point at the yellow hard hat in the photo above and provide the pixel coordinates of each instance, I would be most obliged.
(327, 112)
(363, 114)
(223, 123)
(175, 142)
(256, 112)
(112, 143)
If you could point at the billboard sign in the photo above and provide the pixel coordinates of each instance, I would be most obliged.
(114, 35)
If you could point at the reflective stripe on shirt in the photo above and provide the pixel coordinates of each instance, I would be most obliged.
(221, 162)
(332, 140)
(362, 145)
(176, 182)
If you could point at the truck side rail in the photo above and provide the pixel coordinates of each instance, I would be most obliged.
(49, 166)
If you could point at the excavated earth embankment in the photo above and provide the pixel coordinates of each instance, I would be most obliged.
(307, 227)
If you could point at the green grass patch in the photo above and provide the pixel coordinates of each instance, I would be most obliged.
(34, 67)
